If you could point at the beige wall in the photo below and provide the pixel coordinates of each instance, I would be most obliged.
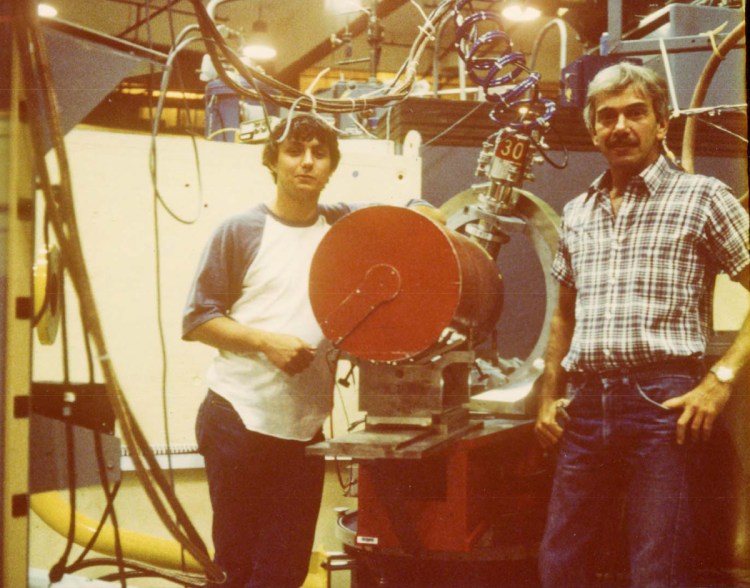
(114, 204)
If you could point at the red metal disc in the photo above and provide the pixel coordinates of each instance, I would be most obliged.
(386, 282)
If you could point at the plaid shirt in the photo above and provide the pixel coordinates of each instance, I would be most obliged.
(643, 278)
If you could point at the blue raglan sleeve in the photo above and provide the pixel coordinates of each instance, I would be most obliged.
(218, 279)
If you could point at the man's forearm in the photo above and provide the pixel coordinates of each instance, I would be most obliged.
(561, 334)
(737, 355)
(228, 335)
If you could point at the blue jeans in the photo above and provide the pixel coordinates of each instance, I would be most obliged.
(619, 439)
(265, 494)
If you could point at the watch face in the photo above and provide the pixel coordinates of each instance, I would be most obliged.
(723, 374)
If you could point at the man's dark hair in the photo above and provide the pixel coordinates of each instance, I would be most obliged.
(302, 127)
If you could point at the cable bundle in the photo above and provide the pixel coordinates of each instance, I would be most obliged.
(45, 116)
(492, 64)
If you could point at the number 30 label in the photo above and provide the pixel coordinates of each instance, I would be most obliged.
(513, 149)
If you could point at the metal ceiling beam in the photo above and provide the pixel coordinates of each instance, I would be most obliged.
(290, 75)
(149, 17)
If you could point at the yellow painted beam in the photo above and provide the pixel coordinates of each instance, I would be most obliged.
(16, 196)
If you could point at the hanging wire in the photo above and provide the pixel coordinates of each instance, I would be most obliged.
(492, 64)
(266, 88)
(43, 107)
(154, 133)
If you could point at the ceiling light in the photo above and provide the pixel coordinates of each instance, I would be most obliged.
(46, 10)
(339, 7)
(258, 45)
(521, 12)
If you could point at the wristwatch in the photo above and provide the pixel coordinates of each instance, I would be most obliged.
(724, 374)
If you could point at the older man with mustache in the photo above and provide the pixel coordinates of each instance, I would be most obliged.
(625, 399)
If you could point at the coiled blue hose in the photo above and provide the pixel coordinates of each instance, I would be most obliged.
(490, 68)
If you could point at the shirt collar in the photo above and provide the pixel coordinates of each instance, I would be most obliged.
(650, 178)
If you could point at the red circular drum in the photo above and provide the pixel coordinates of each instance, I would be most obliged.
(389, 284)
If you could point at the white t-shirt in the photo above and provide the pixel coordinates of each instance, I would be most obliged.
(255, 270)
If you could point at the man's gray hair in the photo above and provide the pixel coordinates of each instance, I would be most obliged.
(619, 76)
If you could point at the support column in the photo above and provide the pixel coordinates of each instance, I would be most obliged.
(16, 311)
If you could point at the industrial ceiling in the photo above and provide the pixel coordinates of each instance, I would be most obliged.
(311, 35)
(335, 38)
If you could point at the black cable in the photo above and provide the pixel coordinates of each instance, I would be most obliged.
(100, 526)
(58, 570)
(193, 580)
(157, 239)
(332, 359)
(285, 95)
(162, 339)
(109, 510)
(64, 331)
(543, 152)
(150, 45)
(36, 70)
(155, 131)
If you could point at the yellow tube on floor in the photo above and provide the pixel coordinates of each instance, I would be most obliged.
(54, 510)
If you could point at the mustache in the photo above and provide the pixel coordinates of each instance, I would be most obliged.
(622, 143)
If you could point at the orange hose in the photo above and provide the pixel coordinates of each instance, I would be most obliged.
(699, 95)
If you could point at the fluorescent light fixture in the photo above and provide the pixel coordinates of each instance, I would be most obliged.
(258, 46)
(521, 12)
(338, 7)
(46, 10)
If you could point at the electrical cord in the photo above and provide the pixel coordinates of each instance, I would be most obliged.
(154, 133)
(332, 359)
(143, 570)
(158, 201)
(36, 71)
(454, 124)
(109, 512)
(268, 88)
(543, 152)
(58, 570)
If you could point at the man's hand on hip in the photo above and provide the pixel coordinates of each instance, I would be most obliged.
(547, 427)
(700, 408)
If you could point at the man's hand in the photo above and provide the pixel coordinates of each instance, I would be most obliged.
(547, 428)
(700, 408)
(288, 353)
(551, 384)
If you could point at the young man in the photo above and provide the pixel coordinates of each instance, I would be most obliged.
(638, 252)
(270, 386)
